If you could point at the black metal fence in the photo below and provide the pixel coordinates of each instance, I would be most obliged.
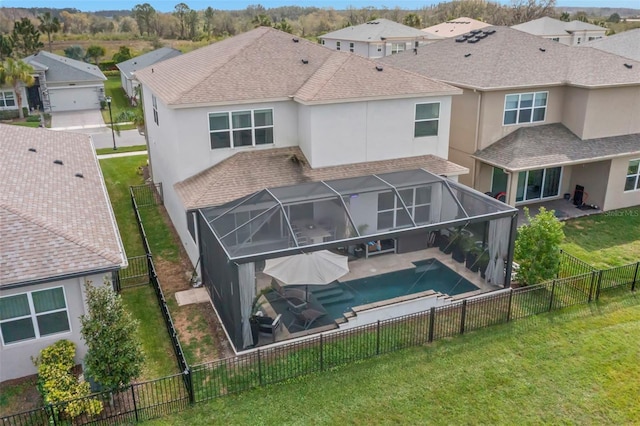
(147, 195)
(571, 266)
(134, 275)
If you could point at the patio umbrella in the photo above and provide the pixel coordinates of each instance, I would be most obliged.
(316, 268)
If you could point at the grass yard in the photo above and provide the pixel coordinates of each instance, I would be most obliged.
(101, 151)
(576, 366)
(119, 100)
(605, 240)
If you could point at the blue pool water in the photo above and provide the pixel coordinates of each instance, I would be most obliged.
(428, 274)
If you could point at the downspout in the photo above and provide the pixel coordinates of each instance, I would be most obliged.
(477, 138)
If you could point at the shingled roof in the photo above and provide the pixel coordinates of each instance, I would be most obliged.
(53, 222)
(625, 44)
(62, 69)
(454, 27)
(250, 171)
(554, 145)
(376, 30)
(508, 58)
(130, 66)
(547, 26)
(267, 65)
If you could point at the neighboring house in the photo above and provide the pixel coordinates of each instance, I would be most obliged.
(127, 68)
(374, 39)
(454, 28)
(64, 84)
(267, 89)
(571, 33)
(626, 44)
(538, 118)
(58, 233)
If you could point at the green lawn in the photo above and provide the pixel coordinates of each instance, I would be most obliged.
(119, 100)
(576, 366)
(136, 148)
(605, 240)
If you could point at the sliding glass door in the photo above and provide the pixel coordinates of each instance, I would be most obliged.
(539, 184)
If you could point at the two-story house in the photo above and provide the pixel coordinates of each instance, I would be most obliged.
(539, 119)
(454, 28)
(267, 93)
(374, 39)
(571, 33)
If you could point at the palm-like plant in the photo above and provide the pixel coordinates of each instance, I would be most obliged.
(16, 72)
(48, 24)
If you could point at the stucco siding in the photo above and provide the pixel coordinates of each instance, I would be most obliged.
(16, 357)
(616, 197)
(612, 112)
(592, 177)
(575, 109)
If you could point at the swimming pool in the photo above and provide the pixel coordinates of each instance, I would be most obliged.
(430, 274)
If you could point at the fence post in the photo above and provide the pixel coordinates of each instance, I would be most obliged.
(593, 281)
(260, 369)
(53, 414)
(189, 379)
(599, 283)
(135, 406)
(635, 277)
(378, 338)
(432, 317)
(553, 289)
(321, 352)
(463, 315)
(509, 307)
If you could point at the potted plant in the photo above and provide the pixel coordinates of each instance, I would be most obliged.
(483, 263)
(256, 315)
(471, 261)
(460, 243)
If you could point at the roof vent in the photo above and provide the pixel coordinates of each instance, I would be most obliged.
(32, 150)
(461, 39)
(379, 67)
(542, 49)
(58, 162)
(80, 175)
(383, 38)
(305, 61)
(467, 55)
(628, 66)
(295, 39)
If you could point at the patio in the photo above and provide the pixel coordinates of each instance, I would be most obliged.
(565, 209)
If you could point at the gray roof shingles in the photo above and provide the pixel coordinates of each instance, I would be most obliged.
(510, 58)
(139, 62)
(265, 64)
(62, 69)
(554, 145)
(547, 26)
(375, 31)
(52, 223)
(626, 44)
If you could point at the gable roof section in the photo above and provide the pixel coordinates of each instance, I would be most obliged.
(53, 224)
(626, 44)
(249, 171)
(553, 145)
(510, 58)
(375, 31)
(128, 67)
(61, 69)
(547, 26)
(266, 64)
(454, 27)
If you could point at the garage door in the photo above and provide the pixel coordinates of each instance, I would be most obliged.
(74, 98)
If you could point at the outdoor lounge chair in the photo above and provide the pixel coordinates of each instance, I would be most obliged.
(305, 318)
(295, 297)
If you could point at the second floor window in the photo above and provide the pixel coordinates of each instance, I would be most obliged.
(241, 128)
(525, 108)
(155, 110)
(426, 120)
(7, 99)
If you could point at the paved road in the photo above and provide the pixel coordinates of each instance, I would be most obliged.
(102, 137)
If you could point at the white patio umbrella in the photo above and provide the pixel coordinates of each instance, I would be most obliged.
(317, 268)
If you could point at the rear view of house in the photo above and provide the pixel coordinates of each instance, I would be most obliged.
(573, 33)
(58, 233)
(127, 68)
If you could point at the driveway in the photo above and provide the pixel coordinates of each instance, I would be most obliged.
(103, 138)
(77, 120)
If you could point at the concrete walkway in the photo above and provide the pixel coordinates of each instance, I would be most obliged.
(77, 120)
(121, 154)
(103, 138)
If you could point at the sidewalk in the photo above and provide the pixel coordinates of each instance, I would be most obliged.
(121, 154)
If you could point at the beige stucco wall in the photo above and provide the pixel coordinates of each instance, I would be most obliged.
(612, 112)
(616, 197)
(462, 138)
(593, 177)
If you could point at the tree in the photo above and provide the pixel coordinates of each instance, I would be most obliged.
(615, 18)
(208, 20)
(412, 20)
(48, 25)
(17, 72)
(144, 14)
(123, 54)
(528, 10)
(95, 52)
(285, 26)
(565, 17)
(25, 38)
(75, 52)
(261, 20)
(192, 24)
(181, 12)
(6, 47)
(114, 355)
(537, 247)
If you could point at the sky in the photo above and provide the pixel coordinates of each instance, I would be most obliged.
(167, 5)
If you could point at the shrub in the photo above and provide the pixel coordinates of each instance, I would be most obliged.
(9, 114)
(33, 118)
(111, 73)
(57, 384)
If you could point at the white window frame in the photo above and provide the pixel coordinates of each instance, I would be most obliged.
(337, 45)
(518, 108)
(415, 120)
(636, 175)
(253, 128)
(7, 95)
(379, 47)
(34, 316)
(398, 47)
(544, 178)
(154, 103)
(397, 205)
(352, 46)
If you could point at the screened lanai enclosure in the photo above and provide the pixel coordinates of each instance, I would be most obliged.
(398, 212)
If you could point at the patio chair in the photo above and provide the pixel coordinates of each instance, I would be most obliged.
(305, 318)
(295, 297)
